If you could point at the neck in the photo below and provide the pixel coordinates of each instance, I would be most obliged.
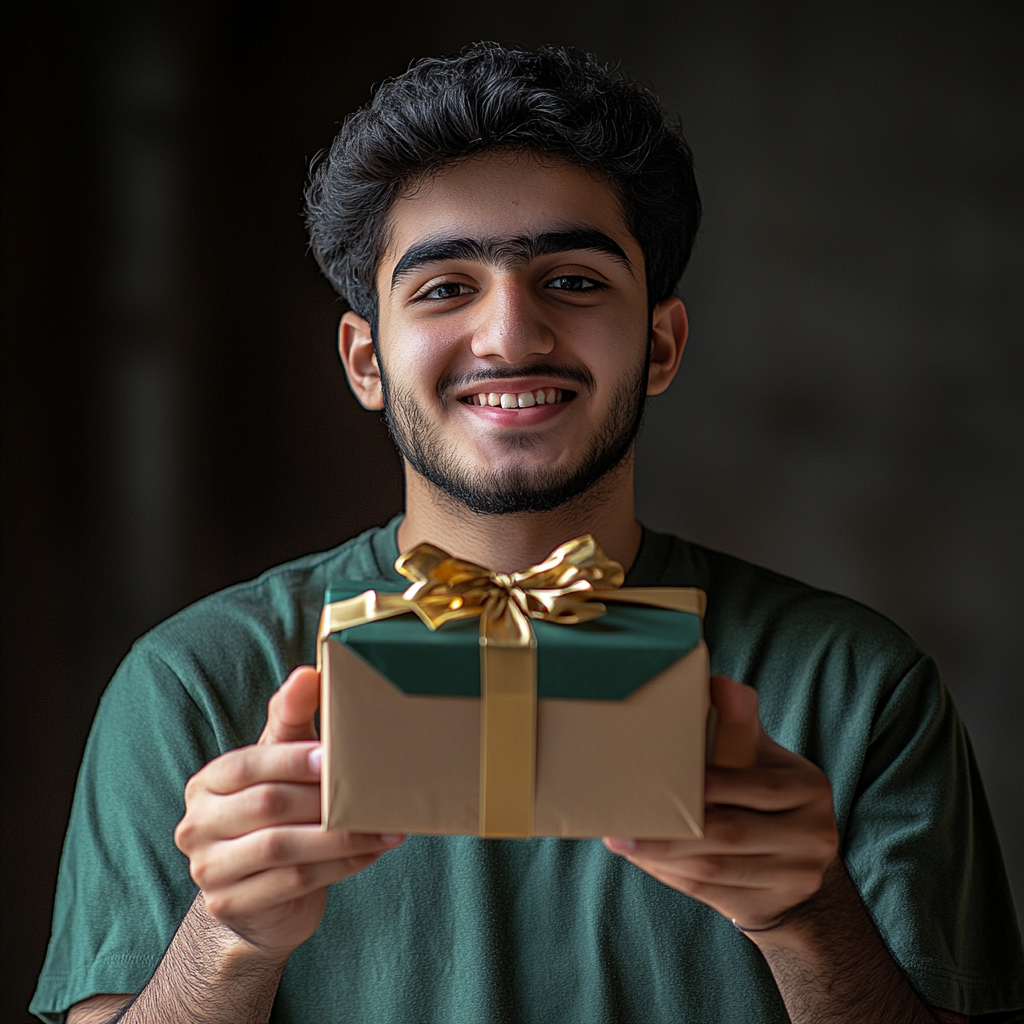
(509, 543)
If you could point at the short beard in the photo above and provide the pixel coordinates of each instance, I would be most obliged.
(521, 489)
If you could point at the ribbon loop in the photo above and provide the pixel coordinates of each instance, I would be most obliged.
(560, 589)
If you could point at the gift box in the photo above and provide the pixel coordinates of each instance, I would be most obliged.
(550, 702)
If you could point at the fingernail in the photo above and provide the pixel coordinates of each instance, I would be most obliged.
(316, 756)
(391, 838)
(623, 845)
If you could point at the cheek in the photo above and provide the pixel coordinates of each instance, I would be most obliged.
(419, 360)
(427, 359)
(609, 335)
(615, 351)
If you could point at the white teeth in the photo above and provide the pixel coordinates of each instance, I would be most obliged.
(526, 400)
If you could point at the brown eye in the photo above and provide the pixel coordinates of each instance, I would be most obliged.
(573, 283)
(448, 290)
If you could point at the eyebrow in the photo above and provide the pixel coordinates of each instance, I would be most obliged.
(507, 252)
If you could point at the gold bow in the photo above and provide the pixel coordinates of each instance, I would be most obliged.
(562, 589)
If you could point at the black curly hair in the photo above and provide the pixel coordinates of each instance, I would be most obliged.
(555, 100)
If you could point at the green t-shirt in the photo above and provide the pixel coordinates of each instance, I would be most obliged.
(459, 929)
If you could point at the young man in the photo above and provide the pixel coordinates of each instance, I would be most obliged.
(508, 229)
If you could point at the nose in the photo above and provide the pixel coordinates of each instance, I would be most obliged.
(511, 326)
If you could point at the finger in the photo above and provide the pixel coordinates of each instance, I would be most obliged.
(263, 806)
(263, 892)
(774, 873)
(760, 871)
(807, 833)
(738, 728)
(250, 766)
(233, 860)
(291, 710)
(766, 787)
(753, 908)
(671, 852)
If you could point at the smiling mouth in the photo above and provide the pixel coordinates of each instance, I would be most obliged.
(520, 399)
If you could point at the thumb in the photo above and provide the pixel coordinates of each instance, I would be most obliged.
(291, 710)
(738, 728)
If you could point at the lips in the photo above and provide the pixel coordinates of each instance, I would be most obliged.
(519, 399)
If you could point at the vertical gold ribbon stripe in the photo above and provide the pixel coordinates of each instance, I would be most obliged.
(508, 754)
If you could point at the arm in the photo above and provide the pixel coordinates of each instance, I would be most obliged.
(769, 863)
(830, 963)
(252, 834)
(207, 974)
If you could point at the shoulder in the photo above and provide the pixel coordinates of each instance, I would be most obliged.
(825, 666)
(275, 603)
(229, 651)
(753, 608)
(279, 601)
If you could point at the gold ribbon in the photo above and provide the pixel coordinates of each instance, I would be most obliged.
(566, 588)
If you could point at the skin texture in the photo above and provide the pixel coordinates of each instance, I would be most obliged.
(576, 319)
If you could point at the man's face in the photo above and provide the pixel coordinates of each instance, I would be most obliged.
(513, 332)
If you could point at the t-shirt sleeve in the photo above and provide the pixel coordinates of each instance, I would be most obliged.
(921, 847)
(123, 886)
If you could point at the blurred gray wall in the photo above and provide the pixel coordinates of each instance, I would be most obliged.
(174, 418)
(851, 410)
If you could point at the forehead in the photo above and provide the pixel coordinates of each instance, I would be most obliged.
(501, 194)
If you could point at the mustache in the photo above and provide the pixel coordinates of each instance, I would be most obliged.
(573, 374)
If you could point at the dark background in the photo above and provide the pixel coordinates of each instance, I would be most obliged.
(175, 418)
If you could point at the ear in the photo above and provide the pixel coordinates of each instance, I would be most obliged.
(355, 346)
(669, 329)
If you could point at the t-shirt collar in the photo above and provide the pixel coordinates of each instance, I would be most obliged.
(646, 571)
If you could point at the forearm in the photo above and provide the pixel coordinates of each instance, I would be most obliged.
(207, 976)
(830, 962)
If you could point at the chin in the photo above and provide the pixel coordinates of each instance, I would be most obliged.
(496, 474)
(516, 452)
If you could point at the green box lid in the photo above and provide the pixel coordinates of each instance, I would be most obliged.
(604, 659)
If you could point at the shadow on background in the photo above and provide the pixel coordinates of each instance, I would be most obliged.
(175, 419)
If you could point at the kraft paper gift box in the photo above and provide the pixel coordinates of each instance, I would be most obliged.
(608, 739)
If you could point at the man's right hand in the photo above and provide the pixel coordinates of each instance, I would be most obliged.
(252, 832)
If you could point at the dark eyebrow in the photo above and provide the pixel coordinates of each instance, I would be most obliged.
(505, 252)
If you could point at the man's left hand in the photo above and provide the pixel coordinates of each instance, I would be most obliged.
(769, 830)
